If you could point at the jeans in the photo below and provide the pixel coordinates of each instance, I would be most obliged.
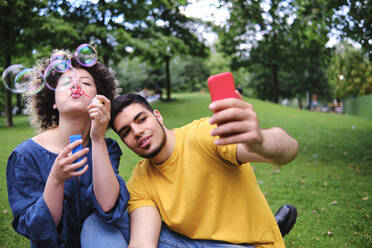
(169, 239)
(96, 233)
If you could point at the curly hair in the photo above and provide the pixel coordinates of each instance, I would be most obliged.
(40, 106)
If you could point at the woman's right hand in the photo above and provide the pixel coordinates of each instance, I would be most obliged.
(64, 166)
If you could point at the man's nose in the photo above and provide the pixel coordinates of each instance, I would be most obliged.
(137, 130)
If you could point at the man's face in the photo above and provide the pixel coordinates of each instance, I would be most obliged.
(141, 130)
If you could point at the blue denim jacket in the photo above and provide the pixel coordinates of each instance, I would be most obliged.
(27, 171)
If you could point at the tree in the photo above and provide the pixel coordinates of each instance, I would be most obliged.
(107, 24)
(19, 25)
(276, 39)
(166, 33)
(353, 18)
(350, 72)
(189, 74)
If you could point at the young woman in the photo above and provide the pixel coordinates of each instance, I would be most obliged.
(57, 201)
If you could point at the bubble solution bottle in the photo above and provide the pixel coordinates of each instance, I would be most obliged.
(78, 148)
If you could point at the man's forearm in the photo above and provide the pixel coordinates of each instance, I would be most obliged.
(277, 147)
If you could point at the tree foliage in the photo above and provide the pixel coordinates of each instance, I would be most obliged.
(354, 20)
(350, 72)
(154, 30)
(281, 42)
(167, 33)
(20, 22)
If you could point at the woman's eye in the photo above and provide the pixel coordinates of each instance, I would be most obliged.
(142, 119)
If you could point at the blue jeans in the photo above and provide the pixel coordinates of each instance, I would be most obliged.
(96, 233)
(169, 239)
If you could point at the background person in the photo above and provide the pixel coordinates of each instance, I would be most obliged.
(197, 179)
(50, 199)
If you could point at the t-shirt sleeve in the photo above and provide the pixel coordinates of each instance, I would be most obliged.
(139, 190)
(118, 210)
(31, 216)
(202, 133)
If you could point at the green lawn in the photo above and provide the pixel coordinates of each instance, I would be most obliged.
(330, 182)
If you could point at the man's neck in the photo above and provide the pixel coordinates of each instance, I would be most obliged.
(168, 148)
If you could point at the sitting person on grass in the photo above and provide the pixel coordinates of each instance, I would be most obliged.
(195, 186)
(55, 200)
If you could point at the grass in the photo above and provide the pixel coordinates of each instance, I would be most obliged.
(329, 182)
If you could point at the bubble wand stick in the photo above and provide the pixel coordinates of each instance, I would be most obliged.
(82, 93)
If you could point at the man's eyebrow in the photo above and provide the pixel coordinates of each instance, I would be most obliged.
(134, 119)
(138, 115)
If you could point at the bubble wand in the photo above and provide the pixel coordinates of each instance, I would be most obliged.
(81, 92)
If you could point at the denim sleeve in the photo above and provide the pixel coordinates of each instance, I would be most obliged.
(118, 210)
(31, 216)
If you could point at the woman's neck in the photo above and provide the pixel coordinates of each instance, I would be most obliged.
(72, 126)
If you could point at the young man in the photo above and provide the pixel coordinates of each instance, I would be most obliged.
(197, 179)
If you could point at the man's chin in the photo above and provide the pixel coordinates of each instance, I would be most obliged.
(151, 154)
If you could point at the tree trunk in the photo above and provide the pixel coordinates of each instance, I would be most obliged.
(168, 80)
(274, 69)
(8, 97)
(300, 103)
(19, 104)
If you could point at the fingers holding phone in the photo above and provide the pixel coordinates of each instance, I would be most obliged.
(236, 120)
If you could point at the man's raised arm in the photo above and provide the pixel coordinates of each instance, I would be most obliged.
(238, 124)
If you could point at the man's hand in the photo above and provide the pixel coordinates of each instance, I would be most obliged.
(237, 123)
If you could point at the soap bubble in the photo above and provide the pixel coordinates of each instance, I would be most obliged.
(86, 55)
(9, 76)
(60, 55)
(21, 80)
(56, 69)
(29, 81)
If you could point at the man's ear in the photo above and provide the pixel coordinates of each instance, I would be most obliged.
(54, 106)
(158, 116)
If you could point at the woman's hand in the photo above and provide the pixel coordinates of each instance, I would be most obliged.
(99, 112)
(64, 166)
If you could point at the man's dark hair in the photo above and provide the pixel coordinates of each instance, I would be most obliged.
(123, 101)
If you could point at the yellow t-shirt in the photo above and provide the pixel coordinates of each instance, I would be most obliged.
(202, 192)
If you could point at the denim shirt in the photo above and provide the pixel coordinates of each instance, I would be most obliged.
(28, 168)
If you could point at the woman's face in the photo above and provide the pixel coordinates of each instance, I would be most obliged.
(75, 89)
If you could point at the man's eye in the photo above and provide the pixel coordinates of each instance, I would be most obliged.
(124, 134)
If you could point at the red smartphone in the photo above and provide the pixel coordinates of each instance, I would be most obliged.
(221, 86)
